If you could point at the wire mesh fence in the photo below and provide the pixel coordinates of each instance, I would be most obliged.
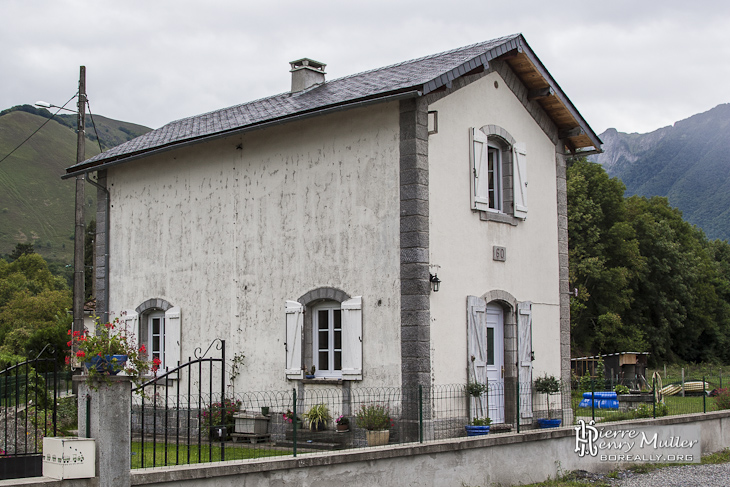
(181, 429)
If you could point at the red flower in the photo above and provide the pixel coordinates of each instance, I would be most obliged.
(81, 353)
(68, 361)
(68, 344)
(77, 333)
(69, 332)
(142, 349)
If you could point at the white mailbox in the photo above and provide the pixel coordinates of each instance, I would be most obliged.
(69, 458)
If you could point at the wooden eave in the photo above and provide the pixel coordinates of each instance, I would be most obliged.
(574, 131)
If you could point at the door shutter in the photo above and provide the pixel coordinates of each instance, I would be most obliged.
(524, 345)
(293, 344)
(479, 152)
(477, 352)
(173, 342)
(352, 338)
(520, 180)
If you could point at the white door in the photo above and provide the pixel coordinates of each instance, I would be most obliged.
(495, 362)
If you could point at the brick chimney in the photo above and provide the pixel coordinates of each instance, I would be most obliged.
(306, 73)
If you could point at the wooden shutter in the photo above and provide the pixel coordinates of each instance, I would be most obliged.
(173, 342)
(524, 352)
(477, 352)
(130, 321)
(520, 180)
(479, 152)
(352, 338)
(293, 344)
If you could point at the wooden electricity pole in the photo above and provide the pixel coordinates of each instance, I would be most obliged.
(79, 232)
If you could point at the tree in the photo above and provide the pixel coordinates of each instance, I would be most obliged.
(21, 249)
(604, 259)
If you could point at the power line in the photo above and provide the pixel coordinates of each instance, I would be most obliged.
(93, 124)
(42, 125)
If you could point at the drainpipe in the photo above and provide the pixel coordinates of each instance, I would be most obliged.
(105, 314)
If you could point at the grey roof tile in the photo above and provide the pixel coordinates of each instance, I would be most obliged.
(426, 74)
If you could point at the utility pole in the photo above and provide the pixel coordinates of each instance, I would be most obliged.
(79, 232)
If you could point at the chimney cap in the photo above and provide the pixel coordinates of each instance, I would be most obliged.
(306, 63)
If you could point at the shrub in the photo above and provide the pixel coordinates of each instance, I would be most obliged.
(476, 389)
(374, 417)
(621, 389)
(722, 399)
(481, 422)
(318, 416)
(213, 414)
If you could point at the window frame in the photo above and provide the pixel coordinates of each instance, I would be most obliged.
(333, 311)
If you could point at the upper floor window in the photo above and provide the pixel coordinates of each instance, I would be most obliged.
(499, 172)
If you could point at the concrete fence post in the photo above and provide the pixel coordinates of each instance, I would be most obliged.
(105, 410)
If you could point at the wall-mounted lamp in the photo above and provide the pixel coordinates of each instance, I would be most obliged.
(435, 282)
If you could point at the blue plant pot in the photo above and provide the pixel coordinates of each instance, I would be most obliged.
(549, 423)
(111, 364)
(476, 430)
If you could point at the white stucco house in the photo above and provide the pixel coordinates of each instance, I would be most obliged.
(307, 228)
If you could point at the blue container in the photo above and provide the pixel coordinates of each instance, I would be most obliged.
(112, 364)
(549, 423)
(602, 400)
(476, 430)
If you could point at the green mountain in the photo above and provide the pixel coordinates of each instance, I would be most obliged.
(688, 162)
(36, 206)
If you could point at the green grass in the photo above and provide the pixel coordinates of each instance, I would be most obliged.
(156, 456)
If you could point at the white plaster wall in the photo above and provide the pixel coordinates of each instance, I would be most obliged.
(462, 244)
(229, 234)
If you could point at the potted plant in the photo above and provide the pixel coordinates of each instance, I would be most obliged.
(478, 427)
(375, 418)
(317, 417)
(111, 350)
(475, 389)
(310, 375)
(548, 385)
(342, 423)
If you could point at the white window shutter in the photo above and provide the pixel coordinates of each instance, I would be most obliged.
(477, 351)
(479, 152)
(173, 342)
(524, 352)
(130, 320)
(352, 338)
(294, 330)
(520, 180)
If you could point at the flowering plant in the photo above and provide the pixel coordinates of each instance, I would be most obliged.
(289, 416)
(110, 340)
(343, 420)
(374, 417)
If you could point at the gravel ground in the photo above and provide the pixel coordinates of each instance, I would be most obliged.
(717, 475)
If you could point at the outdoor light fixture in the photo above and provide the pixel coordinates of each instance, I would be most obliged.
(435, 282)
(45, 104)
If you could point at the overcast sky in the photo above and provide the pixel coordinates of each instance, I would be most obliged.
(633, 65)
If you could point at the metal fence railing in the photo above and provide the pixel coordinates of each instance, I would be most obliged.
(181, 428)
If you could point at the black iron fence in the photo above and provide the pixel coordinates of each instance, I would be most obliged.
(211, 423)
(29, 395)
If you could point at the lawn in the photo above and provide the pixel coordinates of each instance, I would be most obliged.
(157, 455)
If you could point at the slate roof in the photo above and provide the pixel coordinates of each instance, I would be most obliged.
(423, 75)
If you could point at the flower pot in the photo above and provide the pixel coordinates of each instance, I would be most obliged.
(264, 410)
(548, 423)
(476, 430)
(109, 364)
(377, 437)
(343, 427)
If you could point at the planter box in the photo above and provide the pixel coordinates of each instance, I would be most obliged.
(632, 401)
(69, 458)
(548, 423)
(251, 423)
(476, 430)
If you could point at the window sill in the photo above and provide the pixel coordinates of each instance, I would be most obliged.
(321, 380)
(493, 216)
